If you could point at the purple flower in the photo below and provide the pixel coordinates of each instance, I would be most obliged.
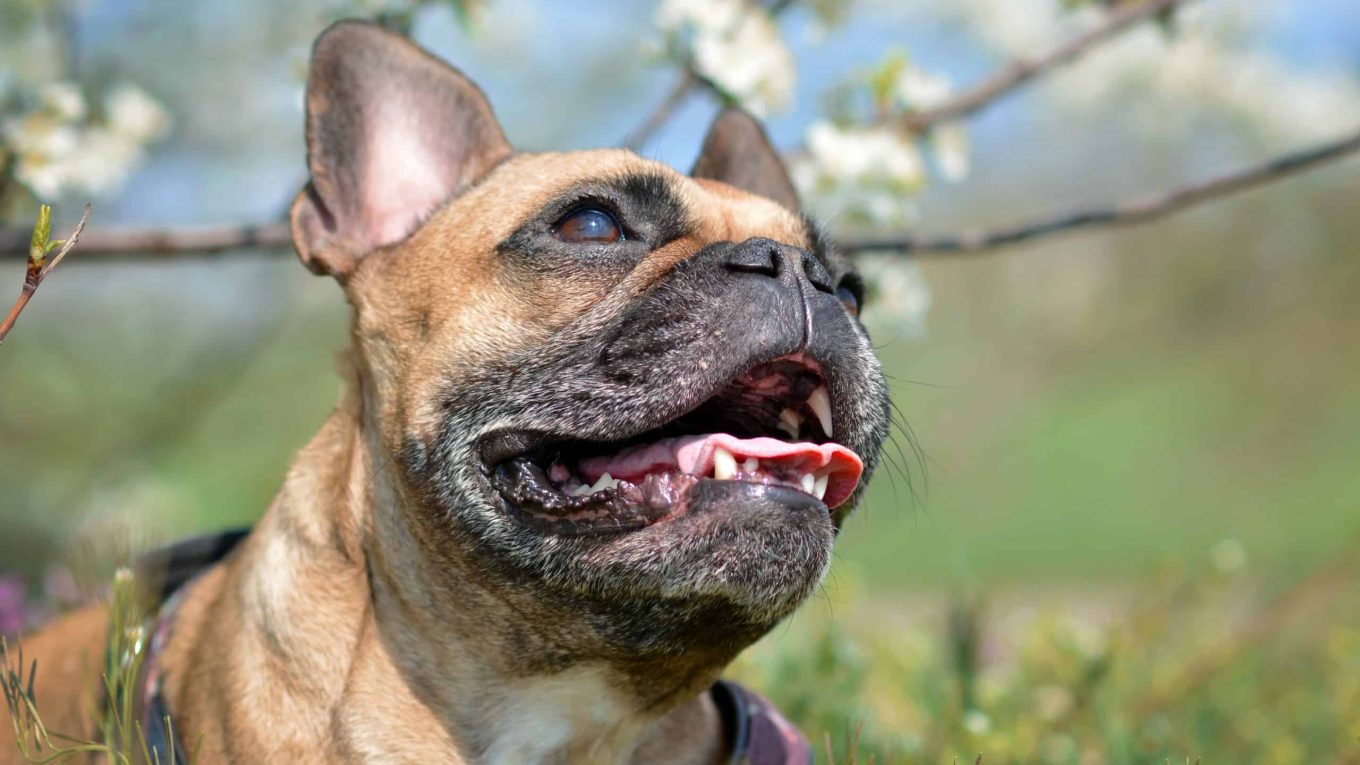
(13, 617)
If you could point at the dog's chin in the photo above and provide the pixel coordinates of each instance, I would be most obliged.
(739, 558)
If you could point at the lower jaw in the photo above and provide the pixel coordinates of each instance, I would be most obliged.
(656, 499)
(736, 561)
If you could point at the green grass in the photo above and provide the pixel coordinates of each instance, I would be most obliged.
(1198, 666)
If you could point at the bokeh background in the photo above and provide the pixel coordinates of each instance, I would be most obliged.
(1087, 416)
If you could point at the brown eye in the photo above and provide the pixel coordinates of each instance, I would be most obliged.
(588, 225)
(849, 297)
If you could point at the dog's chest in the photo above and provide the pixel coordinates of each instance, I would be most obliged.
(574, 716)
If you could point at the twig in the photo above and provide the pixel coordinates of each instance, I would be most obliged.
(39, 265)
(687, 84)
(170, 242)
(680, 92)
(153, 241)
(1021, 71)
(1131, 212)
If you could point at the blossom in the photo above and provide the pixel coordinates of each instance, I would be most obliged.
(735, 45)
(58, 148)
(865, 173)
(916, 88)
(900, 299)
(1214, 61)
(949, 146)
(63, 99)
(132, 113)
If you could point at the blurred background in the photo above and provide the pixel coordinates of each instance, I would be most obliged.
(1085, 416)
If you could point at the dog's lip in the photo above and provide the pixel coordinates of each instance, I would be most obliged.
(502, 444)
(769, 426)
(704, 499)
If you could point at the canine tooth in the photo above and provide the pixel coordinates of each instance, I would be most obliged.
(819, 488)
(724, 464)
(820, 404)
(751, 465)
(575, 489)
(791, 422)
(808, 482)
(606, 482)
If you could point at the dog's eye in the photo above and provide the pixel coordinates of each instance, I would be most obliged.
(849, 295)
(588, 225)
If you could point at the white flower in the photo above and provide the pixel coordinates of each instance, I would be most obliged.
(63, 100)
(918, 89)
(59, 149)
(736, 45)
(1213, 63)
(104, 161)
(949, 145)
(134, 114)
(900, 298)
(866, 173)
(39, 134)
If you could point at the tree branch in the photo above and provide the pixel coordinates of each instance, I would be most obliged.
(39, 264)
(684, 87)
(687, 84)
(167, 242)
(170, 242)
(1139, 210)
(1021, 71)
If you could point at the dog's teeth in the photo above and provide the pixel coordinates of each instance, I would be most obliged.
(606, 482)
(575, 489)
(791, 422)
(808, 482)
(820, 404)
(819, 488)
(751, 465)
(724, 464)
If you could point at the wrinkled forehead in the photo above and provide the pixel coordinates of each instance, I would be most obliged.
(527, 185)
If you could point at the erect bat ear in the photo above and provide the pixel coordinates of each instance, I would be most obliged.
(737, 152)
(392, 133)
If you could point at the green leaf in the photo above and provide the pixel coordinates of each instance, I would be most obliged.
(42, 232)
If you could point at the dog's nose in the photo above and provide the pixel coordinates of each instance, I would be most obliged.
(759, 255)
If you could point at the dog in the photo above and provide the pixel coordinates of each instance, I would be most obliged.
(602, 424)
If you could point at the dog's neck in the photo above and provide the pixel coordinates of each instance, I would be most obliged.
(309, 642)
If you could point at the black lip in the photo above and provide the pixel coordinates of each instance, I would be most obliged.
(500, 446)
(706, 497)
(710, 491)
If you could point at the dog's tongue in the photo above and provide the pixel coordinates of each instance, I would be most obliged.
(694, 455)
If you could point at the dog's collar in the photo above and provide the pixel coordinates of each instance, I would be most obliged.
(756, 732)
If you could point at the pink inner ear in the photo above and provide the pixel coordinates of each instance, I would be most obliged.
(403, 175)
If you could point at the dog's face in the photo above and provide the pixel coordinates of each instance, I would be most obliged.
(635, 405)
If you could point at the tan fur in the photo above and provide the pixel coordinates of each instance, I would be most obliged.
(321, 639)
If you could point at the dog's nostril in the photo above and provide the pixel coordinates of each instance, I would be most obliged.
(817, 274)
(755, 258)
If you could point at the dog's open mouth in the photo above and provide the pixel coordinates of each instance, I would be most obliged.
(771, 426)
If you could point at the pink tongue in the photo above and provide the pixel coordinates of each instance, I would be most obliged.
(693, 455)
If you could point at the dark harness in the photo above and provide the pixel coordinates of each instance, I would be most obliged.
(756, 732)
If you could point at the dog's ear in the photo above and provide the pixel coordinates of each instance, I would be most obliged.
(737, 152)
(392, 133)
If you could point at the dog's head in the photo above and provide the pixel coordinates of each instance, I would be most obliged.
(633, 406)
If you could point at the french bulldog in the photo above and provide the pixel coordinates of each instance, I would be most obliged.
(601, 425)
